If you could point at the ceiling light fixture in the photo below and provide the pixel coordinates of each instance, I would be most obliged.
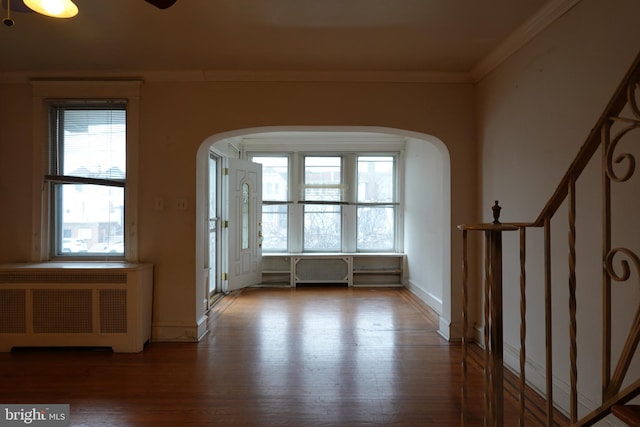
(53, 8)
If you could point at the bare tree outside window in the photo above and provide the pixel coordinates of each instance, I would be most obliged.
(342, 202)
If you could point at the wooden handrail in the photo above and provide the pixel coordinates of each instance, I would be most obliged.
(615, 106)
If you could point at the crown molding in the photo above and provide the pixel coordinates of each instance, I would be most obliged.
(521, 36)
(245, 76)
(547, 15)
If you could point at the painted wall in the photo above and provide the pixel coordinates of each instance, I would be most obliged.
(426, 204)
(534, 113)
(16, 171)
(176, 117)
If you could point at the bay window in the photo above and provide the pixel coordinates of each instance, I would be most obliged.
(329, 202)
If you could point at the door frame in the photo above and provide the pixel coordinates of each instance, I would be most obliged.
(212, 296)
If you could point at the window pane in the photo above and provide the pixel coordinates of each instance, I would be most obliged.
(275, 177)
(245, 215)
(322, 228)
(323, 178)
(375, 179)
(376, 228)
(91, 219)
(275, 188)
(88, 140)
(275, 227)
(94, 143)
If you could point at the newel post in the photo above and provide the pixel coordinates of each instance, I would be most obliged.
(493, 320)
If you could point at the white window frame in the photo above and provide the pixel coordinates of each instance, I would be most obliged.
(395, 203)
(348, 204)
(43, 92)
(288, 202)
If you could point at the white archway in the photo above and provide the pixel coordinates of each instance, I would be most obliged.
(427, 210)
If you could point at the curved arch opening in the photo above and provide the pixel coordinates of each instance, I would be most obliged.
(425, 195)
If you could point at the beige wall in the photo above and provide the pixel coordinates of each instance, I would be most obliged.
(176, 117)
(534, 112)
(16, 170)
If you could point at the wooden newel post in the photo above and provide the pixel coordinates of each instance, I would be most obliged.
(493, 335)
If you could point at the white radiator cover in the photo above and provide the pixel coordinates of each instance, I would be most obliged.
(322, 269)
(76, 304)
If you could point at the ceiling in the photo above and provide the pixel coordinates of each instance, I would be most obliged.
(261, 35)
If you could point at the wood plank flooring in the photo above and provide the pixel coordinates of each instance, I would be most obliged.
(311, 356)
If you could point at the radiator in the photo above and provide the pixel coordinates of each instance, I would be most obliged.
(322, 269)
(76, 305)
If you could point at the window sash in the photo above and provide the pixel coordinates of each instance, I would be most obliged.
(322, 230)
(87, 177)
(375, 227)
(323, 178)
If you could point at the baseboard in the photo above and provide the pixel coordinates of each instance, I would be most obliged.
(202, 327)
(536, 381)
(535, 409)
(176, 332)
(426, 297)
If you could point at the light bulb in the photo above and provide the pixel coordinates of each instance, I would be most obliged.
(53, 8)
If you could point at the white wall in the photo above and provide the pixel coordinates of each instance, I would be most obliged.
(534, 112)
(426, 210)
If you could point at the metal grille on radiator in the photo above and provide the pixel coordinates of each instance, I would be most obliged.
(322, 269)
(113, 311)
(64, 311)
(12, 311)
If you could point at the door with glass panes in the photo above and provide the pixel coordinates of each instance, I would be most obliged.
(242, 183)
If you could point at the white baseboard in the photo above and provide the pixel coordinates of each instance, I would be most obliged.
(451, 331)
(425, 296)
(177, 332)
(536, 379)
(446, 329)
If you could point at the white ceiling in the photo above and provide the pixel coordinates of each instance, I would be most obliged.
(260, 35)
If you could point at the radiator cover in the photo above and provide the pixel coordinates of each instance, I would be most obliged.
(76, 304)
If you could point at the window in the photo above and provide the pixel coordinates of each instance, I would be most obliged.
(87, 175)
(275, 202)
(339, 202)
(323, 196)
(376, 203)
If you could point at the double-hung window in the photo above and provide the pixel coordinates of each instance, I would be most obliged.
(275, 202)
(376, 203)
(87, 177)
(323, 197)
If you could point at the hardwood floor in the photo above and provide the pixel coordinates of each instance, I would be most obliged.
(274, 357)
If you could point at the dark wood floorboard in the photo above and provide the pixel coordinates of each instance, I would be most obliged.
(274, 357)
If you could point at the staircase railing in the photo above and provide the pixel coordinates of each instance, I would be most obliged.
(619, 119)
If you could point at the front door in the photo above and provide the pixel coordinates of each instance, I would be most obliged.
(243, 219)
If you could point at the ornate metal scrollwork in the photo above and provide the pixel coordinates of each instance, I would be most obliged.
(633, 123)
(626, 270)
(631, 98)
(623, 157)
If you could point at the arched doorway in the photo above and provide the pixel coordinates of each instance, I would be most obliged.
(426, 198)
